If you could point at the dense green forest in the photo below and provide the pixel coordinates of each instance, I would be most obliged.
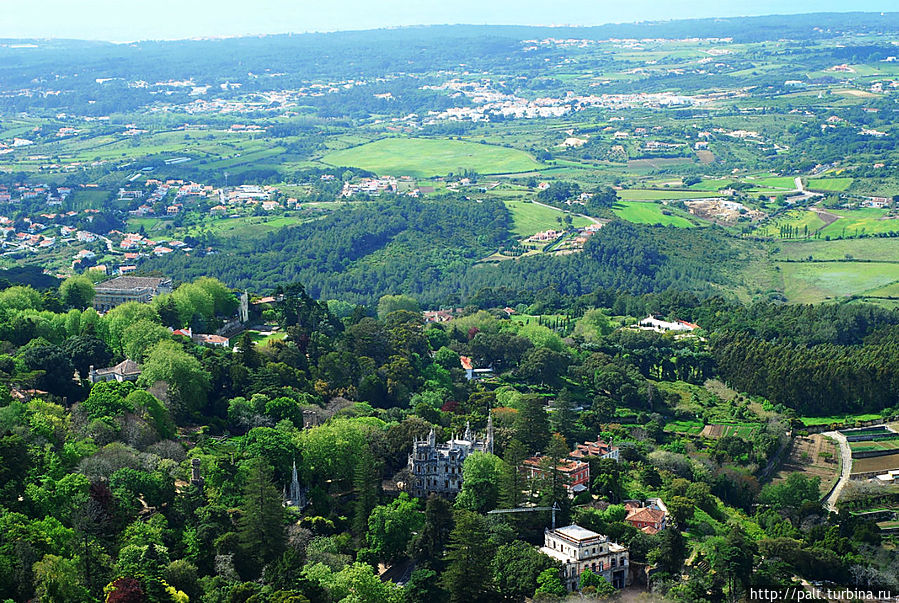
(98, 503)
(430, 249)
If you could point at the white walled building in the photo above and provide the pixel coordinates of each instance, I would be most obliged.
(579, 549)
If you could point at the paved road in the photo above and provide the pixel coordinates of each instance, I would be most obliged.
(845, 469)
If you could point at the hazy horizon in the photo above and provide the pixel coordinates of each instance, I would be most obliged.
(108, 20)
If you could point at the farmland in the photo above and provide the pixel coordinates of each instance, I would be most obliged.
(424, 157)
(800, 221)
(815, 456)
(810, 282)
(650, 213)
(854, 222)
(876, 463)
(531, 218)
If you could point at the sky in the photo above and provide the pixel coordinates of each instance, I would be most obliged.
(129, 20)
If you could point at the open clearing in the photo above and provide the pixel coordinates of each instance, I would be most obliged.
(423, 158)
(649, 213)
(531, 218)
(814, 456)
(859, 249)
(854, 222)
(828, 184)
(803, 223)
(876, 463)
(639, 194)
(811, 282)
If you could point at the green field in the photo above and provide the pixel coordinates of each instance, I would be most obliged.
(687, 427)
(855, 222)
(819, 249)
(423, 158)
(530, 218)
(802, 221)
(638, 194)
(815, 281)
(874, 445)
(649, 213)
(840, 419)
(778, 182)
(829, 184)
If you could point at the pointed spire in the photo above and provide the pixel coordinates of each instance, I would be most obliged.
(432, 438)
(489, 432)
(467, 435)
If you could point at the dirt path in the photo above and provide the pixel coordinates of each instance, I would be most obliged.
(827, 217)
(845, 469)
(591, 218)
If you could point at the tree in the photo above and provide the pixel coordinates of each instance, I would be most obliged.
(596, 584)
(482, 475)
(125, 590)
(393, 303)
(108, 399)
(516, 567)
(423, 587)
(549, 584)
(671, 551)
(392, 527)
(563, 416)
(513, 482)
(435, 534)
(85, 351)
(792, 492)
(261, 525)
(186, 379)
(681, 509)
(76, 292)
(57, 580)
(57, 372)
(553, 484)
(543, 365)
(139, 338)
(732, 558)
(246, 351)
(467, 574)
(20, 298)
(531, 424)
(121, 317)
(593, 326)
(366, 482)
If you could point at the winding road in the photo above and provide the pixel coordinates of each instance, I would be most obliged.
(845, 468)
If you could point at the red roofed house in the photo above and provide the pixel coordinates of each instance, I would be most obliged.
(651, 517)
(597, 448)
(471, 372)
(213, 340)
(576, 473)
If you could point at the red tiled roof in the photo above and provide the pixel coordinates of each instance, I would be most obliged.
(647, 515)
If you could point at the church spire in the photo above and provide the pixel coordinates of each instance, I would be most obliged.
(490, 432)
(297, 496)
(467, 435)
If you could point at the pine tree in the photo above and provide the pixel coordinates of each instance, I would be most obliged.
(468, 572)
(365, 482)
(261, 525)
(430, 544)
(553, 482)
(513, 482)
(531, 424)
